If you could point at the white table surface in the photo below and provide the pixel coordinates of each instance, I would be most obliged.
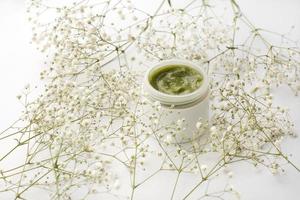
(20, 64)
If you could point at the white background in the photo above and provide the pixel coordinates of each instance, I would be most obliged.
(20, 64)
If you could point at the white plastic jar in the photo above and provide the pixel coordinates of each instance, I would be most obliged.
(191, 107)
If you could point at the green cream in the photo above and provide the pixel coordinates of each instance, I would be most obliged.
(176, 79)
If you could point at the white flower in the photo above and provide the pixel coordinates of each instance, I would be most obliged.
(213, 130)
(203, 167)
(169, 139)
(157, 105)
(190, 156)
(229, 128)
(198, 125)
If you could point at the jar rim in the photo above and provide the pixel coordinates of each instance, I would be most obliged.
(177, 100)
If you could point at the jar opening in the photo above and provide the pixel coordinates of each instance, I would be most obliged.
(175, 79)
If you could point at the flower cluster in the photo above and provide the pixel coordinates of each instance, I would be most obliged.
(92, 125)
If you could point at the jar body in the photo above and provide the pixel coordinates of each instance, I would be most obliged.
(194, 120)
